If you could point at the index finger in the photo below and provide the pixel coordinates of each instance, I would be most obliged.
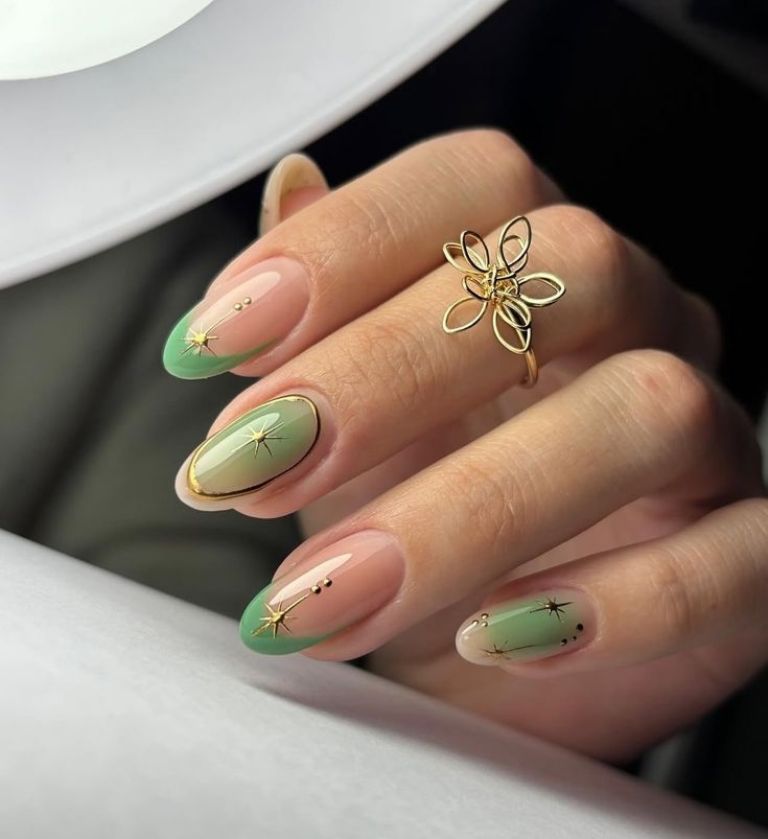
(351, 250)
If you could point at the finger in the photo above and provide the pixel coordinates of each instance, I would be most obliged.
(641, 424)
(347, 253)
(294, 183)
(393, 375)
(702, 585)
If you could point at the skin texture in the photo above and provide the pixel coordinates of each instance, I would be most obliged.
(626, 476)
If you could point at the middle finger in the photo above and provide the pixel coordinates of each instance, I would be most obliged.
(391, 376)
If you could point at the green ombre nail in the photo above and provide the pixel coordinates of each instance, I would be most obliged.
(528, 628)
(254, 449)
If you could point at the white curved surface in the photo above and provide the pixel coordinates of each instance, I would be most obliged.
(91, 158)
(126, 713)
(48, 37)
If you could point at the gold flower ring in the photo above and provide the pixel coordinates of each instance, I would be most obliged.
(498, 285)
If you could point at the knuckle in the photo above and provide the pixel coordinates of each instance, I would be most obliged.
(707, 328)
(378, 357)
(503, 150)
(599, 244)
(501, 503)
(593, 242)
(670, 396)
(669, 583)
(754, 515)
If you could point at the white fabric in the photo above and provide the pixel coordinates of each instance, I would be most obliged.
(94, 157)
(126, 713)
(48, 37)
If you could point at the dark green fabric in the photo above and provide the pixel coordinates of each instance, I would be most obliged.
(95, 429)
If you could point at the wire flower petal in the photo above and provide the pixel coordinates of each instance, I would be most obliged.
(554, 283)
(475, 251)
(454, 254)
(514, 244)
(453, 308)
(516, 339)
(515, 313)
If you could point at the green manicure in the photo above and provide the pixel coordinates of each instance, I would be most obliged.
(523, 629)
(263, 627)
(254, 449)
(189, 354)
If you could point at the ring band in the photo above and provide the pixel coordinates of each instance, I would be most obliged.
(499, 285)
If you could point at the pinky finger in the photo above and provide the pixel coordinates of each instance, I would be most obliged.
(705, 584)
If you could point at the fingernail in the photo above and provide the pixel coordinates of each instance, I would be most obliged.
(335, 588)
(254, 449)
(527, 628)
(258, 311)
(293, 172)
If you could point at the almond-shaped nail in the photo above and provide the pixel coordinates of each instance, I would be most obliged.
(292, 173)
(258, 310)
(528, 628)
(337, 587)
(254, 449)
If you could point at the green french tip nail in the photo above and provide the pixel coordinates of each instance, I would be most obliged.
(526, 629)
(264, 627)
(254, 449)
(190, 354)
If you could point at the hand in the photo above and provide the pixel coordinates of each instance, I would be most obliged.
(598, 541)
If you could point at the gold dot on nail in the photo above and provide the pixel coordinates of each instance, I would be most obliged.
(247, 301)
(238, 307)
(316, 589)
(327, 583)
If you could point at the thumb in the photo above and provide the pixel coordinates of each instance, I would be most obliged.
(294, 183)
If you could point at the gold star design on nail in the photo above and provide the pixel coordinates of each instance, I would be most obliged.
(276, 619)
(496, 652)
(503, 652)
(552, 607)
(198, 342)
(261, 437)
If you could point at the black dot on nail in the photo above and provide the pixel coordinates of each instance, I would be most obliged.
(563, 641)
(580, 627)
(574, 637)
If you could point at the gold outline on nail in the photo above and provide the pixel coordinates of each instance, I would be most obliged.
(193, 484)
